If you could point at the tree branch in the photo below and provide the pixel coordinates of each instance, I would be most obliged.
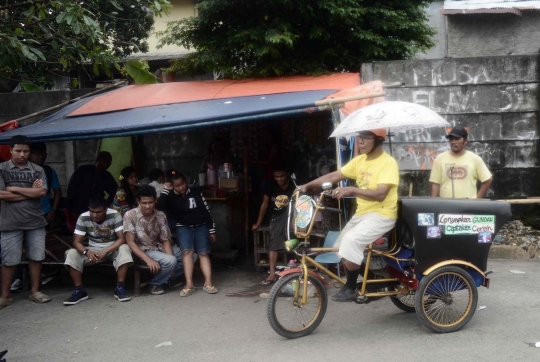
(21, 4)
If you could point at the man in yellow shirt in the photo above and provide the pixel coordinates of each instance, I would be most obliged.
(455, 173)
(377, 177)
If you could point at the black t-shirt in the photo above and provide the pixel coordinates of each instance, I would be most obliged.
(279, 198)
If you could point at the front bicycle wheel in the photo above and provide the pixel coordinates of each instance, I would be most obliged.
(285, 312)
(446, 299)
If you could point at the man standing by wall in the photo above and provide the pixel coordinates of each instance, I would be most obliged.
(455, 173)
(22, 184)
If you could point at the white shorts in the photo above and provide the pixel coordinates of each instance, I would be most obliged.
(359, 232)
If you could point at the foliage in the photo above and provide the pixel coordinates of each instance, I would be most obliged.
(41, 37)
(139, 72)
(260, 38)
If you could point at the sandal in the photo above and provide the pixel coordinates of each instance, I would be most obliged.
(5, 302)
(266, 282)
(39, 298)
(186, 292)
(210, 289)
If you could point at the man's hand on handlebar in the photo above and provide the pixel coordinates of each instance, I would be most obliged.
(255, 226)
(303, 188)
(342, 192)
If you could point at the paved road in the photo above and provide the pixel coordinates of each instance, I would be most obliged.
(206, 327)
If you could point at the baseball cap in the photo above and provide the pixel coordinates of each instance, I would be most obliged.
(458, 131)
(380, 132)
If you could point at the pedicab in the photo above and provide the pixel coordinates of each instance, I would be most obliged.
(433, 264)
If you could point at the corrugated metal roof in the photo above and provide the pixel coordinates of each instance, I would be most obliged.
(488, 6)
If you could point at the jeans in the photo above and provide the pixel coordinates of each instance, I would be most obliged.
(168, 264)
(12, 245)
(195, 238)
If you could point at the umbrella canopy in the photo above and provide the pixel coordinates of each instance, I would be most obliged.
(389, 115)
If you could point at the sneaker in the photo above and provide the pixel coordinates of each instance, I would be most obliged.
(121, 295)
(16, 285)
(156, 289)
(345, 294)
(76, 297)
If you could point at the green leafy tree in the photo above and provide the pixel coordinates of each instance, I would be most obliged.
(42, 37)
(260, 38)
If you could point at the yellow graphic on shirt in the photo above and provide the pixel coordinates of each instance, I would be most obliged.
(363, 180)
(281, 201)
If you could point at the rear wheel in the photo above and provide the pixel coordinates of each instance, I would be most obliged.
(286, 314)
(405, 302)
(446, 299)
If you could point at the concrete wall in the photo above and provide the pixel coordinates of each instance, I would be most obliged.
(496, 97)
(437, 21)
(479, 35)
(181, 9)
(62, 156)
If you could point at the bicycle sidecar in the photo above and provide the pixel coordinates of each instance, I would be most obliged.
(443, 246)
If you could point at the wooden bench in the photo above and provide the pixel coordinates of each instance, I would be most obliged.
(55, 248)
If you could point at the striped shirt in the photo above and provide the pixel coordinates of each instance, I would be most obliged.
(100, 235)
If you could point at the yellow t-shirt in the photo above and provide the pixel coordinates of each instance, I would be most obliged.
(466, 170)
(368, 174)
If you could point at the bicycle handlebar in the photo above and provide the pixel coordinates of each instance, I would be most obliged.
(333, 209)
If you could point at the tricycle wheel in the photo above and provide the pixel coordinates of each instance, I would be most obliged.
(286, 314)
(446, 299)
(405, 302)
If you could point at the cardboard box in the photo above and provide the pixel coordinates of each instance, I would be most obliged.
(228, 183)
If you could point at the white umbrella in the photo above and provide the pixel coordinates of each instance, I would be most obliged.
(389, 115)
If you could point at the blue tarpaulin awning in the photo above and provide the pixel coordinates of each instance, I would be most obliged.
(97, 117)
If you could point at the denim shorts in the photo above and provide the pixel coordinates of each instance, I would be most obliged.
(12, 245)
(195, 238)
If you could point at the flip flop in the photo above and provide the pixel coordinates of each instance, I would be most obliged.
(186, 292)
(266, 282)
(39, 298)
(210, 289)
(5, 302)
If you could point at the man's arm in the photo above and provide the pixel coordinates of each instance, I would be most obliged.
(167, 246)
(483, 188)
(369, 195)
(114, 246)
(11, 197)
(333, 177)
(152, 264)
(435, 189)
(111, 187)
(35, 192)
(262, 212)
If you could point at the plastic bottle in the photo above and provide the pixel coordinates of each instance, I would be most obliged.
(211, 175)
(291, 264)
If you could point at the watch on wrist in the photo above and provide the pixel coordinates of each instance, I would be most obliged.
(85, 252)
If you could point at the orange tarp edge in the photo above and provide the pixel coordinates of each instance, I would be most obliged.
(136, 96)
(375, 86)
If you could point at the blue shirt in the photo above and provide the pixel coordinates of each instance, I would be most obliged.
(46, 200)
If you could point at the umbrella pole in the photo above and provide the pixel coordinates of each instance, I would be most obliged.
(390, 143)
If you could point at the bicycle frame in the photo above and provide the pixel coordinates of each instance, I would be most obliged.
(306, 259)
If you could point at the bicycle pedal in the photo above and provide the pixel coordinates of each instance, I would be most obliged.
(362, 300)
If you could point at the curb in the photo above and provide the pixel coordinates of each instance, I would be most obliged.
(513, 252)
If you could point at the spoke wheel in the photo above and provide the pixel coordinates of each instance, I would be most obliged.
(446, 299)
(286, 314)
(405, 302)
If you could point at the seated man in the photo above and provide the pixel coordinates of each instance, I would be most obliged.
(106, 242)
(377, 177)
(147, 234)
